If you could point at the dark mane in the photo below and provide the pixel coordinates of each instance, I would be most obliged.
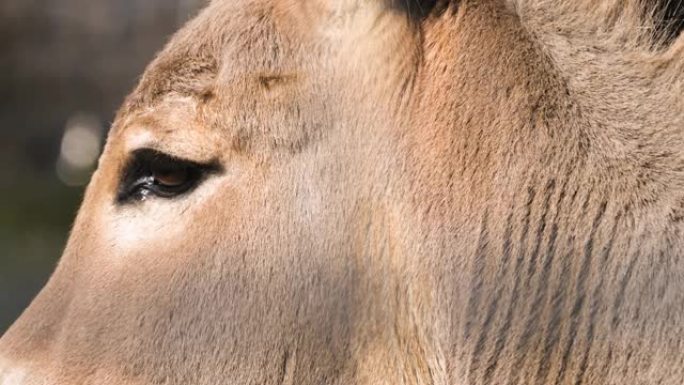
(669, 15)
(662, 20)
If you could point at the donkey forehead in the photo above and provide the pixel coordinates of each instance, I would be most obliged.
(233, 41)
(224, 40)
(233, 38)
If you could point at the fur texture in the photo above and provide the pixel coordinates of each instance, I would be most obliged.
(438, 192)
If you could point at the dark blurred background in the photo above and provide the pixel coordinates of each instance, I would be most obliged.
(65, 66)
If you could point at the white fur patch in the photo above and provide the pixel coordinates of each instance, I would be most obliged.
(140, 139)
(154, 220)
(11, 375)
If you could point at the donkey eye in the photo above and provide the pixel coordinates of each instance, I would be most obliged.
(170, 174)
(154, 174)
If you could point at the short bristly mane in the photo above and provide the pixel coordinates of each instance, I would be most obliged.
(625, 56)
(623, 65)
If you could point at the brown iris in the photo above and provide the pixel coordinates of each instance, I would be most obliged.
(152, 173)
(169, 175)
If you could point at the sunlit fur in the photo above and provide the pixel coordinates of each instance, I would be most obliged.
(451, 192)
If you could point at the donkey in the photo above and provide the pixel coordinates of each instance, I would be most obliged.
(356, 192)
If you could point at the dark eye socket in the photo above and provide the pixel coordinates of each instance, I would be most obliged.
(154, 174)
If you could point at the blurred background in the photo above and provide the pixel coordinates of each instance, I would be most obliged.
(65, 66)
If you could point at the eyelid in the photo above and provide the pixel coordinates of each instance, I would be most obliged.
(191, 145)
(136, 174)
(185, 152)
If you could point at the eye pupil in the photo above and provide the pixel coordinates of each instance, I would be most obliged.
(170, 176)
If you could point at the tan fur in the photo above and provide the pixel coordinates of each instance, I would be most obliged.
(473, 192)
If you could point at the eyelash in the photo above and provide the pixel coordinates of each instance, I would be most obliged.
(139, 180)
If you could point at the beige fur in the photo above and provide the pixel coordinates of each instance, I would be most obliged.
(473, 192)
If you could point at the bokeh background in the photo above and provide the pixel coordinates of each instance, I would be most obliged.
(65, 66)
